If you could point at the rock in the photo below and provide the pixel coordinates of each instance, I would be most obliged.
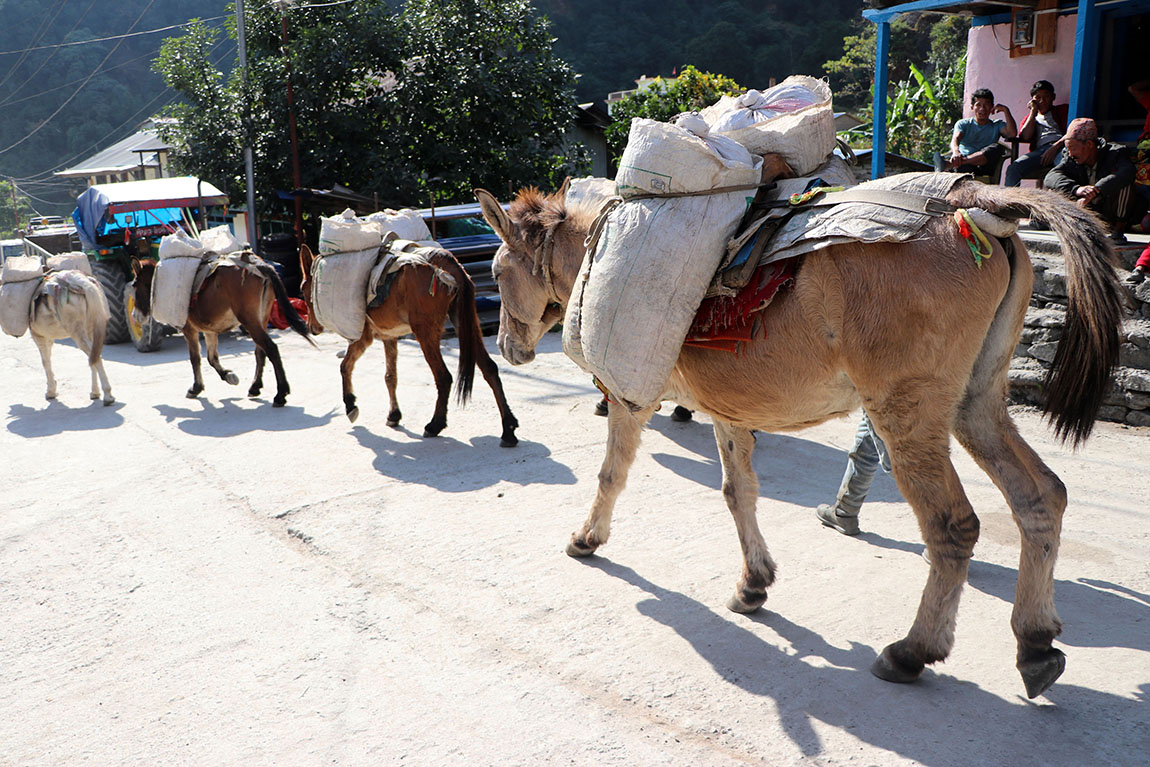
(1138, 418)
(1043, 351)
(1112, 413)
(1135, 380)
(1136, 400)
(1137, 332)
(1131, 356)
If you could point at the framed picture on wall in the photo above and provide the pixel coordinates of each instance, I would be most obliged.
(1022, 28)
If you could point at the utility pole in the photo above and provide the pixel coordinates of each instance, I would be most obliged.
(15, 204)
(249, 173)
(295, 174)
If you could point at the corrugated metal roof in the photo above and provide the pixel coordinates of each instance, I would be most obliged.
(124, 155)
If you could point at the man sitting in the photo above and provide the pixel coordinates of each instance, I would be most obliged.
(1042, 129)
(1098, 176)
(974, 142)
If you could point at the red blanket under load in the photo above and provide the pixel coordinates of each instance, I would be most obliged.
(723, 322)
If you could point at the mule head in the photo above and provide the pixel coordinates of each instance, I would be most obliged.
(528, 307)
(305, 262)
(144, 271)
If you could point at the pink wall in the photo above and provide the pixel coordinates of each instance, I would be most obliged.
(989, 66)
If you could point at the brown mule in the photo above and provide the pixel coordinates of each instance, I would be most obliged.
(918, 334)
(230, 296)
(413, 306)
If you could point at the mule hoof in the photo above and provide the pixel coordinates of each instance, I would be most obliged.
(50, 396)
(428, 433)
(279, 401)
(94, 395)
(432, 429)
(892, 669)
(1041, 671)
(193, 393)
(578, 548)
(680, 414)
(353, 414)
(253, 392)
(508, 440)
(393, 418)
(746, 602)
(109, 401)
(232, 378)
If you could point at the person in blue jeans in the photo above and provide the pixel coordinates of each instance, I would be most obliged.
(863, 461)
(1042, 128)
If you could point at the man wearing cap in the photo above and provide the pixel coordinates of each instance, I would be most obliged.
(1098, 176)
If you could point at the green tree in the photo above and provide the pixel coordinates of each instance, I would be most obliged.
(690, 91)
(446, 96)
(14, 210)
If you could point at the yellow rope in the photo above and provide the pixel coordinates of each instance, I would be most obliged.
(978, 242)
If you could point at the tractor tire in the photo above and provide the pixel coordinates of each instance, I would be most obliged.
(112, 279)
(148, 335)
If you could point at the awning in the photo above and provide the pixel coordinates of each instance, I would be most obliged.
(97, 203)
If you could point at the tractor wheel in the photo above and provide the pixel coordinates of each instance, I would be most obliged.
(112, 279)
(146, 335)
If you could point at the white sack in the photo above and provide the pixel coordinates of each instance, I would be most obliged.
(347, 234)
(179, 243)
(219, 239)
(172, 289)
(589, 191)
(21, 269)
(16, 305)
(406, 223)
(339, 289)
(634, 301)
(661, 158)
(74, 260)
(803, 136)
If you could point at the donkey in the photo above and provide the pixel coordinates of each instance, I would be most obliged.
(232, 294)
(917, 334)
(71, 304)
(413, 306)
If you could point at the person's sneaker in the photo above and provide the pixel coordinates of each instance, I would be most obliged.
(847, 524)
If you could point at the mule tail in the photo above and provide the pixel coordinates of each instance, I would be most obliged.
(466, 321)
(98, 315)
(290, 314)
(1079, 378)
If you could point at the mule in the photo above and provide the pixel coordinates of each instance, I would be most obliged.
(231, 296)
(914, 332)
(418, 303)
(71, 304)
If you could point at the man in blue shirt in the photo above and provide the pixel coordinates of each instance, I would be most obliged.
(974, 142)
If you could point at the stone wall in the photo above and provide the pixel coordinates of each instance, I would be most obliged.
(1129, 400)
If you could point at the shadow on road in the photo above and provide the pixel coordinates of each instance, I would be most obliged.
(436, 462)
(224, 419)
(940, 720)
(56, 418)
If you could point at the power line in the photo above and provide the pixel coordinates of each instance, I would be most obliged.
(48, 119)
(44, 23)
(113, 37)
(46, 91)
(50, 56)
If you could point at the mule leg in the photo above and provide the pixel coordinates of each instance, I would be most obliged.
(355, 350)
(258, 380)
(918, 441)
(95, 367)
(429, 338)
(741, 492)
(623, 431)
(192, 336)
(391, 379)
(267, 347)
(212, 344)
(491, 374)
(1037, 500)
(44, 344)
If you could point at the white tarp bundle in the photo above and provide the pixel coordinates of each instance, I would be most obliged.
(638, 291)
(346, 233)
(19, 279)
(406, 223)
(219, 239)
(794, 119)
(589, 191)
(65, 261)
(339, 289)
(663, 159)
(180, 257)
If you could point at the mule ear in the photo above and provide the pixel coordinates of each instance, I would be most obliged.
(305, 259)
(495, 215)
(562, 193)
(135, 266)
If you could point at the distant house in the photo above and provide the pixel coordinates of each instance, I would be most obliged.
(143, 155)
(1090, 50)
(590, 123)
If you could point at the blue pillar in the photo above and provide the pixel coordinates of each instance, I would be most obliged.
(878, 125)
(1086, 33)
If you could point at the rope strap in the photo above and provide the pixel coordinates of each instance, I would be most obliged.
(978, 242)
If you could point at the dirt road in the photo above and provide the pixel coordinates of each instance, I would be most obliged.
(214, 582)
